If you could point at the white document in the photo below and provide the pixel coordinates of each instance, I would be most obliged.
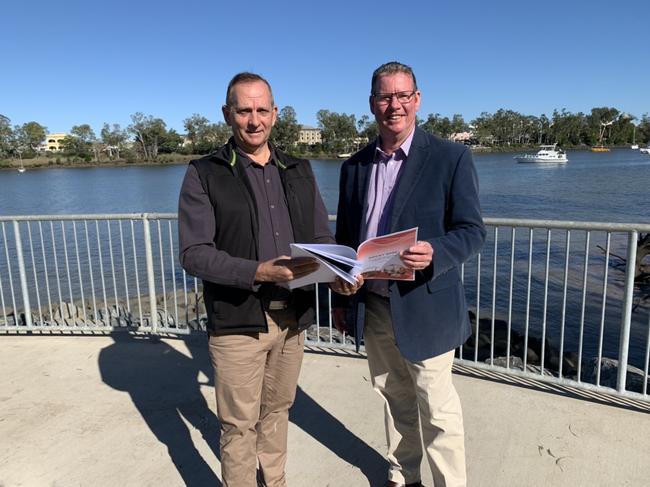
(377, 258)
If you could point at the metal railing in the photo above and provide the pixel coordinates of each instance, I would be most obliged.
(552, 300)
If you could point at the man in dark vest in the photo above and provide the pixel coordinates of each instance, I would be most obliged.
(239, 209)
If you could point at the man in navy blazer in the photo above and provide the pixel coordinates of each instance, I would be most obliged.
(409, 178)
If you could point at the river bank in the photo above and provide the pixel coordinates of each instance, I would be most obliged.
(170, 159)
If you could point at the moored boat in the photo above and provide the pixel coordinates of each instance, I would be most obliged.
(546, 153)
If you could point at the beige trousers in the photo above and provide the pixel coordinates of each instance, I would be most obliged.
(421, 405)
(255, 385)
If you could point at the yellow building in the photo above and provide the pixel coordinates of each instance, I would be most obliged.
(53, 142)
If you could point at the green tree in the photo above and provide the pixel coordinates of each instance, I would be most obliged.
(338, 131)
(81, 142)
(286, 130)
(622, 129)
(367, 128)
(33, 135)
(196, 129)
(203, 136)
(170, 142)
(435, 124)
(458, 124)
(599, 124)
(148, 133)
(570, 129)
(6, 136)
(113, 138)
(643, 130)
(217, 135)
(483, 129)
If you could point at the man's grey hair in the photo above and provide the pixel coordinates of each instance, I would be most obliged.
(244, 77)
(392, 68)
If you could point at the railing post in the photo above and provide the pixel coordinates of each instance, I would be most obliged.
(23, 277)
(626, 317)
(151, 283)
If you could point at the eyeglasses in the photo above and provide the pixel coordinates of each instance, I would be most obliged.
(403, 97)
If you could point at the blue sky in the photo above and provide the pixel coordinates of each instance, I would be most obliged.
(71, 62)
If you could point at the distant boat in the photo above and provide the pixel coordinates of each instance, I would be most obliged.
(645, 150)
(21, 168)
(546, 153)
(345, 155)
(634, 146)
(600, 148)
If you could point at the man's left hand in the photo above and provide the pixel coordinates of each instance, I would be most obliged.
(418, 257)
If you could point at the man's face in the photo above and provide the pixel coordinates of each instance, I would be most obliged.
(395, 118)
(251, 116)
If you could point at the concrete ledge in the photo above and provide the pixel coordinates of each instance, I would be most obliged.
(128, 410)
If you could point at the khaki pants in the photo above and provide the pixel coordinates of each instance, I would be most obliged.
(421, 405)
(255, 384)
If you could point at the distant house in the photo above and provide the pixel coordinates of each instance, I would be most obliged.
(309, 135)
(53, 142)
(462, 137)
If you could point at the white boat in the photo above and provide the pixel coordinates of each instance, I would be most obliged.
(634, 146)
(645, 150)
(546, 153)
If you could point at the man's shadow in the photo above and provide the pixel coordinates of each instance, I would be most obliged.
(164, 386)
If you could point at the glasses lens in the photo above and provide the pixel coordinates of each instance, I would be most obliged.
(404, 97)
(386, 98)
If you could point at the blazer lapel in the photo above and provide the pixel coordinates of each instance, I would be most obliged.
(363, 172)
(411, 174)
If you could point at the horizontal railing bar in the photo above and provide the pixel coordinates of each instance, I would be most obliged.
(509, 222)
(99, 216)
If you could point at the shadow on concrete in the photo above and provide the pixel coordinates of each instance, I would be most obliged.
(164, 386)
(312, 418)
(539, 385)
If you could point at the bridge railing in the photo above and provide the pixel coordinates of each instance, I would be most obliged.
(560, 301)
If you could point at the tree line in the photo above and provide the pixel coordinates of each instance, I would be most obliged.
(147, 137)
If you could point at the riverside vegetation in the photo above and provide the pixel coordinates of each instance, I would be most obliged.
(148, 139)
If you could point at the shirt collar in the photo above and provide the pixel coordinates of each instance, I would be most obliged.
(401, 153)
(247, 161)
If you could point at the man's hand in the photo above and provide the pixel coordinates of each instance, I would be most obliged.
(343, 287)
(339, 321)
(418, 257)
(284, 268)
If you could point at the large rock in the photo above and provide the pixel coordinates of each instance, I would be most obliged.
(609, 373)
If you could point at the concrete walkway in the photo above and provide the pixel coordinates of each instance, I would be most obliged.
(124, 410)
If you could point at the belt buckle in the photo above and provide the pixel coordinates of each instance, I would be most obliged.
(277, 305)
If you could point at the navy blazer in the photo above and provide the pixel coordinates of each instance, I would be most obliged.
(437, 192)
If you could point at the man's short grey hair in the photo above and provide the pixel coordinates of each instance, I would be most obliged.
(244, 77)
(392, 68)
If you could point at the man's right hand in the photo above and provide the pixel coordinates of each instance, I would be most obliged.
(284, 268)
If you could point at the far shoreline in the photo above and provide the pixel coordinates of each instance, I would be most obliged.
(48, 163)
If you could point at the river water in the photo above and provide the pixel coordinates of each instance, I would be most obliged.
(603, 187)
(592, 186)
